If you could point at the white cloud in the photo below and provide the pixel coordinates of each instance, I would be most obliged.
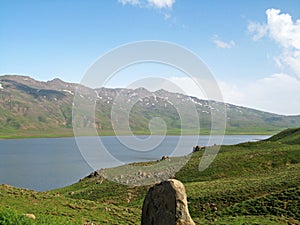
(281, 28)
(130, 2)
(222, 44)
(160, 4)
(260, 30)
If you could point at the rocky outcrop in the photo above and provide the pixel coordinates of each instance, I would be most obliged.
(166, 204)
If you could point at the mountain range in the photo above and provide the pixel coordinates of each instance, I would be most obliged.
(31, 107)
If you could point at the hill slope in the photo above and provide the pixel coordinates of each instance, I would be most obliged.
(249, 183)
(289, 136)
(33, 108)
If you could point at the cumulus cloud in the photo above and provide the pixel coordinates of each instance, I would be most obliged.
(222, 44)
(281, 28)
(160, 4)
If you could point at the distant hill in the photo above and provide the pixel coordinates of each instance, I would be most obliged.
(30, 107)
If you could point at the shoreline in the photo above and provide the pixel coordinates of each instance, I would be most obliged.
(136, 161)
(32, 136)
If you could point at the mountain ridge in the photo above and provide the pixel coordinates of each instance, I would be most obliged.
(28, 105)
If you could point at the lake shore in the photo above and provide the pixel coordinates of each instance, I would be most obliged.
(253, 182)
(62, 133)
(56, 162)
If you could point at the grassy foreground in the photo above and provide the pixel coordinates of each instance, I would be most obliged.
(249, 183)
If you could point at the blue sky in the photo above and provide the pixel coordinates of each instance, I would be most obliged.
(247, 48)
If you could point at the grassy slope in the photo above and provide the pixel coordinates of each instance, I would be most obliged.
(250, 183)
(288, 136)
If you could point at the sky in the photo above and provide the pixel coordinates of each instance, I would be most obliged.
(252, 48)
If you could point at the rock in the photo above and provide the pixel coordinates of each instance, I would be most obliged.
(144, 174)
(164, 157)
(166, 204)
(31, 216)
(93, 174)
(198, 148)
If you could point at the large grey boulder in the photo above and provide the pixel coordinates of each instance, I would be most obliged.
(166, 204)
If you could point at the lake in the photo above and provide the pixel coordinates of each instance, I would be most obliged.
(47, 163)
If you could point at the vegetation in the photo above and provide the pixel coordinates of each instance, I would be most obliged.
(288, 136)
(248, 183)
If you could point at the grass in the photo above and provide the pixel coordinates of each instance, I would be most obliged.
(54, 208)
(11, 217)
(289, 136)
(48, 133)
(68, 132)
(249, 183)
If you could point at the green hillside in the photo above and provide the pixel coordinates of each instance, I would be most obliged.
(250, 183)
(289, 136)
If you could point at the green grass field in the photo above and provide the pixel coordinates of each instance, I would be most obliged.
(250, 183)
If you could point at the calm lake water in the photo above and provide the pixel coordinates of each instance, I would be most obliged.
(47, 163)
